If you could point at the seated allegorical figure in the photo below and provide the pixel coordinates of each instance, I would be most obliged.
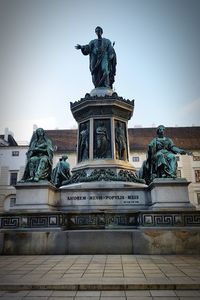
(39, 158)
(161, 160)
(61, 172)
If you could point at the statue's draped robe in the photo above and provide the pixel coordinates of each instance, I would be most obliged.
(39, 159)
(120, 140)
(102, 62)
(161, 155)
(101, 142)
(84, 145)
(60, 173)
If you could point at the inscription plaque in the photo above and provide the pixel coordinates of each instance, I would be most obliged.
(103, 199)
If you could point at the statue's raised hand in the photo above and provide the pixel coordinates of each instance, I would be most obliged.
(78, 46)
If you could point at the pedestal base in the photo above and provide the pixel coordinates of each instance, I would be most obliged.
(40, 196)
(148, 241)
(170, 194)
(146, 232)
(101, 92)
(106, 196)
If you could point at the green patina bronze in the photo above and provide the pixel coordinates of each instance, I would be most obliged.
(102, 140)
(61, 172)
(104, 174)
(102, 60)
(161, 160)
(83, 142)
(39, 158)
(120, 141)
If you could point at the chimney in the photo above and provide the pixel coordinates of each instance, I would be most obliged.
(35, 127)
(6, 134)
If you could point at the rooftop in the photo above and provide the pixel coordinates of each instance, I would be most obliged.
(183, 137)
(9, 141)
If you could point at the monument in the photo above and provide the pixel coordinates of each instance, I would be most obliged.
(102, 205)
(103, 167)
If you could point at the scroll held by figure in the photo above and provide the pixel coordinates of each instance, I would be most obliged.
(102, 60)
(39, 158)
(161, 158)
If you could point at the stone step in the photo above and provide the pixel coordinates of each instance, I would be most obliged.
(101, 285)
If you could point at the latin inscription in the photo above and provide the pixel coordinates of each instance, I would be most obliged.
(126, 199)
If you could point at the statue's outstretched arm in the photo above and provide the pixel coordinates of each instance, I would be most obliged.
(180, 151)
(78, 46)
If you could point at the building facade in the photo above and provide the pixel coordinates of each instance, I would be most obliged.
(13, 157)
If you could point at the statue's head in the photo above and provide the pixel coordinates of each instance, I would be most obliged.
(39, 132)
(101, 123)
(98, 30)
(160, 129)
(64, 157)
(84, 126)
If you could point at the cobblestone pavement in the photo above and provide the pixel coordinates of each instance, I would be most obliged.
(96, 277)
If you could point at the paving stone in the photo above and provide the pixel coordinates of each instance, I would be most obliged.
(59, 298)
(137, 293)
(166, 298)
(112, 293)
(113, 298)
(87, 298)
(64, 293)
(13, 298)
(139, 298)
(40, 293)
(162, 293)
(16, 294)
(35, 298)
(191, 293)
(88, 294)
(189, 298)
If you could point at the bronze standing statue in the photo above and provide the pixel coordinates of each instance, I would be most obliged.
(161, 160)
(102, 140)
(120, 141)
(83, 142)
(102, 60)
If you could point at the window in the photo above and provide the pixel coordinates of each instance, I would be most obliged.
(177, 158)
(13, 178)
(12, 202)
(135, 158)
(196, 158)
(178, 173)
(198, 198)
(197, 175)
(15, 153)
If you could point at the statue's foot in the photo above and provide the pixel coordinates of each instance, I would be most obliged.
(164, 176)
(168, 176)
(36, 179)
(30, 179)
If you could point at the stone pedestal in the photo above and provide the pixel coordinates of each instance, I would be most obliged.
(104, 196)
(41, 196)
(170, 194)
(102, 145)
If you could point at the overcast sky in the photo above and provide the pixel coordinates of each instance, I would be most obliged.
(158, 60)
